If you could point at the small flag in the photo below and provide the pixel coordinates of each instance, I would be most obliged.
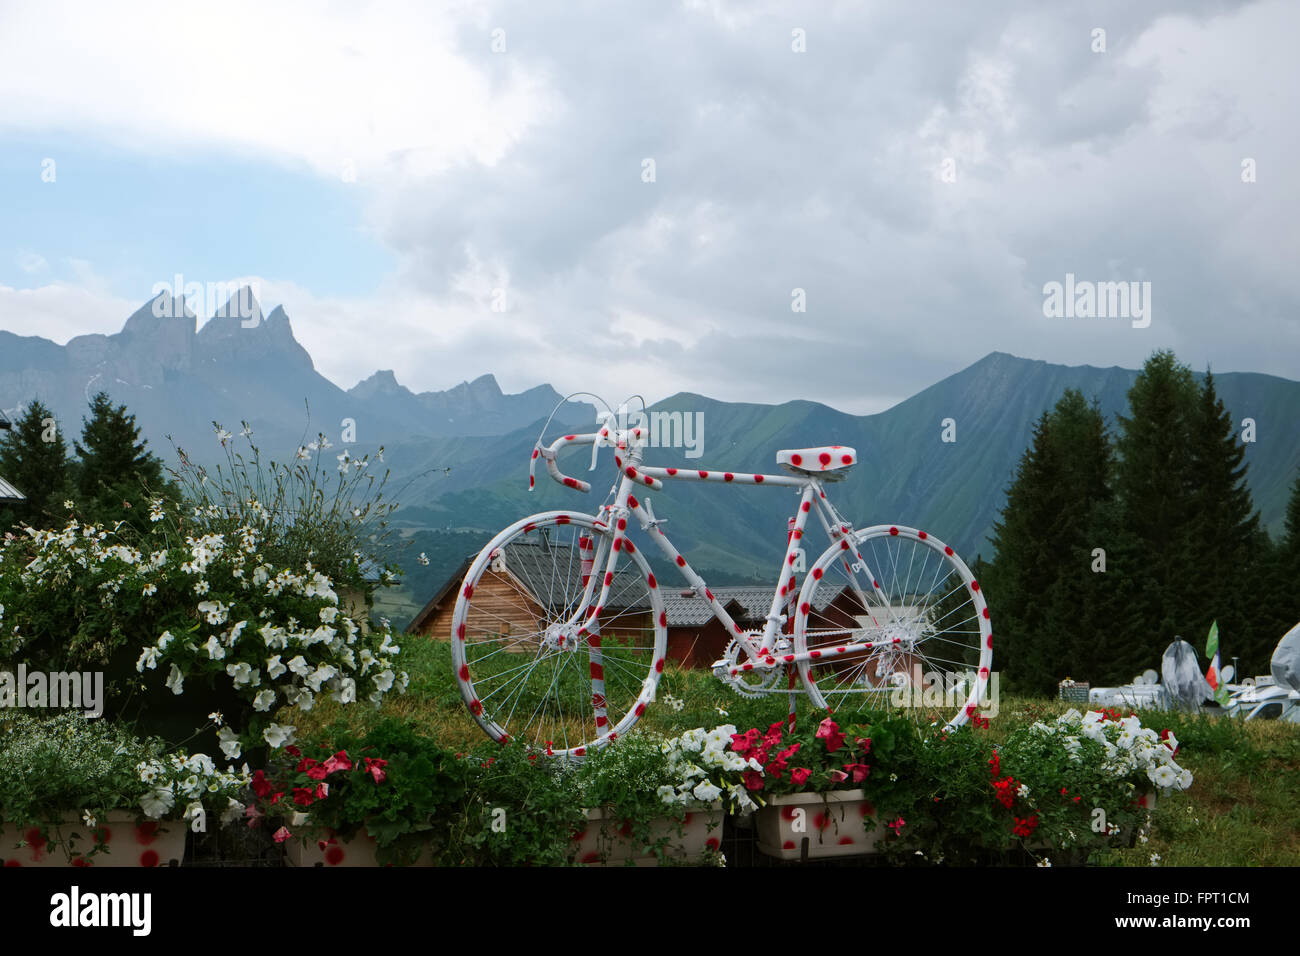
(1212, 675)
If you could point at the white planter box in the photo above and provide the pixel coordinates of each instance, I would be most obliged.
(834, 823)
(701, 829)
(327, 850)
(126, 843)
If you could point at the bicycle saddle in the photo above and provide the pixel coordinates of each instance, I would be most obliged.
(829, 461)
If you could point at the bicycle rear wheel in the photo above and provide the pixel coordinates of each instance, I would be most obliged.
(916, 603)
(536, 658)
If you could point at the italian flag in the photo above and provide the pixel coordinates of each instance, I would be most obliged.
(1212, 675)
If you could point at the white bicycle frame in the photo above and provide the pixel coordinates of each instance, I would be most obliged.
(762, 655)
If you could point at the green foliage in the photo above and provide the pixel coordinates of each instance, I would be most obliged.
(532, 798)
(117, 476)
(403, 789)
(36, 467)
(66, 767)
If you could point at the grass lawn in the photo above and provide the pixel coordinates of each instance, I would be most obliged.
(1242, 810)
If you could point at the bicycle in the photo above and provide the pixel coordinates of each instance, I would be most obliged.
(559, 633)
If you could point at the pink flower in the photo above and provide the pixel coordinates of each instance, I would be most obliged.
(838, 776)
(829, 731)
(339, 761)
(281, 835)
(897, 825)
(374, 767)
(799, 776)
(859, 771)
(322, 791)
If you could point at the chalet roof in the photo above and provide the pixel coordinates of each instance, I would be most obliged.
(533, 564)
(9, 493)
(748, 605)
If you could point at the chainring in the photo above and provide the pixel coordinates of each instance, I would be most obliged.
(754, 683)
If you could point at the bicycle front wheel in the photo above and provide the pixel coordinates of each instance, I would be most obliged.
(538, 657)
(892, 619)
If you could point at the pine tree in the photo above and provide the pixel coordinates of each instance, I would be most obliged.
(1224, 535)
(1050, 604)
(1154, 483)
(34, 459)
(117, 476)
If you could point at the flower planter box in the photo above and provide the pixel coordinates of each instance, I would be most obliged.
(1147, 800)
(700, 830)
(835, 824)
(328, 850)
(126, 843)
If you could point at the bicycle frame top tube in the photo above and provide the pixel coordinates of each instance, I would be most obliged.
(628, 459)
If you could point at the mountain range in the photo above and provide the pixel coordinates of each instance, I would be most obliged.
(459, 457)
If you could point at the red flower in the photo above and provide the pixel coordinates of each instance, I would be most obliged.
(829, 731)
(1006, 791)
(1024, 828)
(375, 768)
(339, 761)
(799, 776)
(281, 835)
(897, 825)
(1164, 735)
(318, 772)
(858, 771)
(306, 763)
(838, 776)
(864, 743)
(789, 752)
(322, 791)
(753, 780)
(261, 786)
(303, 796)
(293, 751)
(995, 765)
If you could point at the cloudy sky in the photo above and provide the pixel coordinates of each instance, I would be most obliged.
(625, 197)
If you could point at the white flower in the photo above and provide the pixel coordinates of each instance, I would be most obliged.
(88, 819)
(175, 681)
(667, 794)
(164, 640)
(201, 588)
(274, 668)
(216, 611)
(278, 736)
(1155, 859)
(234, 810)
(1163, 776)
(1044, 862)
(229, 743)
(148, 658)
(263, 701)
(706, 791)
(149, 590)
(214, 648)
(300, 666)
(1022, 791)
(68, 504)
(216, 718)
(423, 559)
(157, 802)
(240, 673)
